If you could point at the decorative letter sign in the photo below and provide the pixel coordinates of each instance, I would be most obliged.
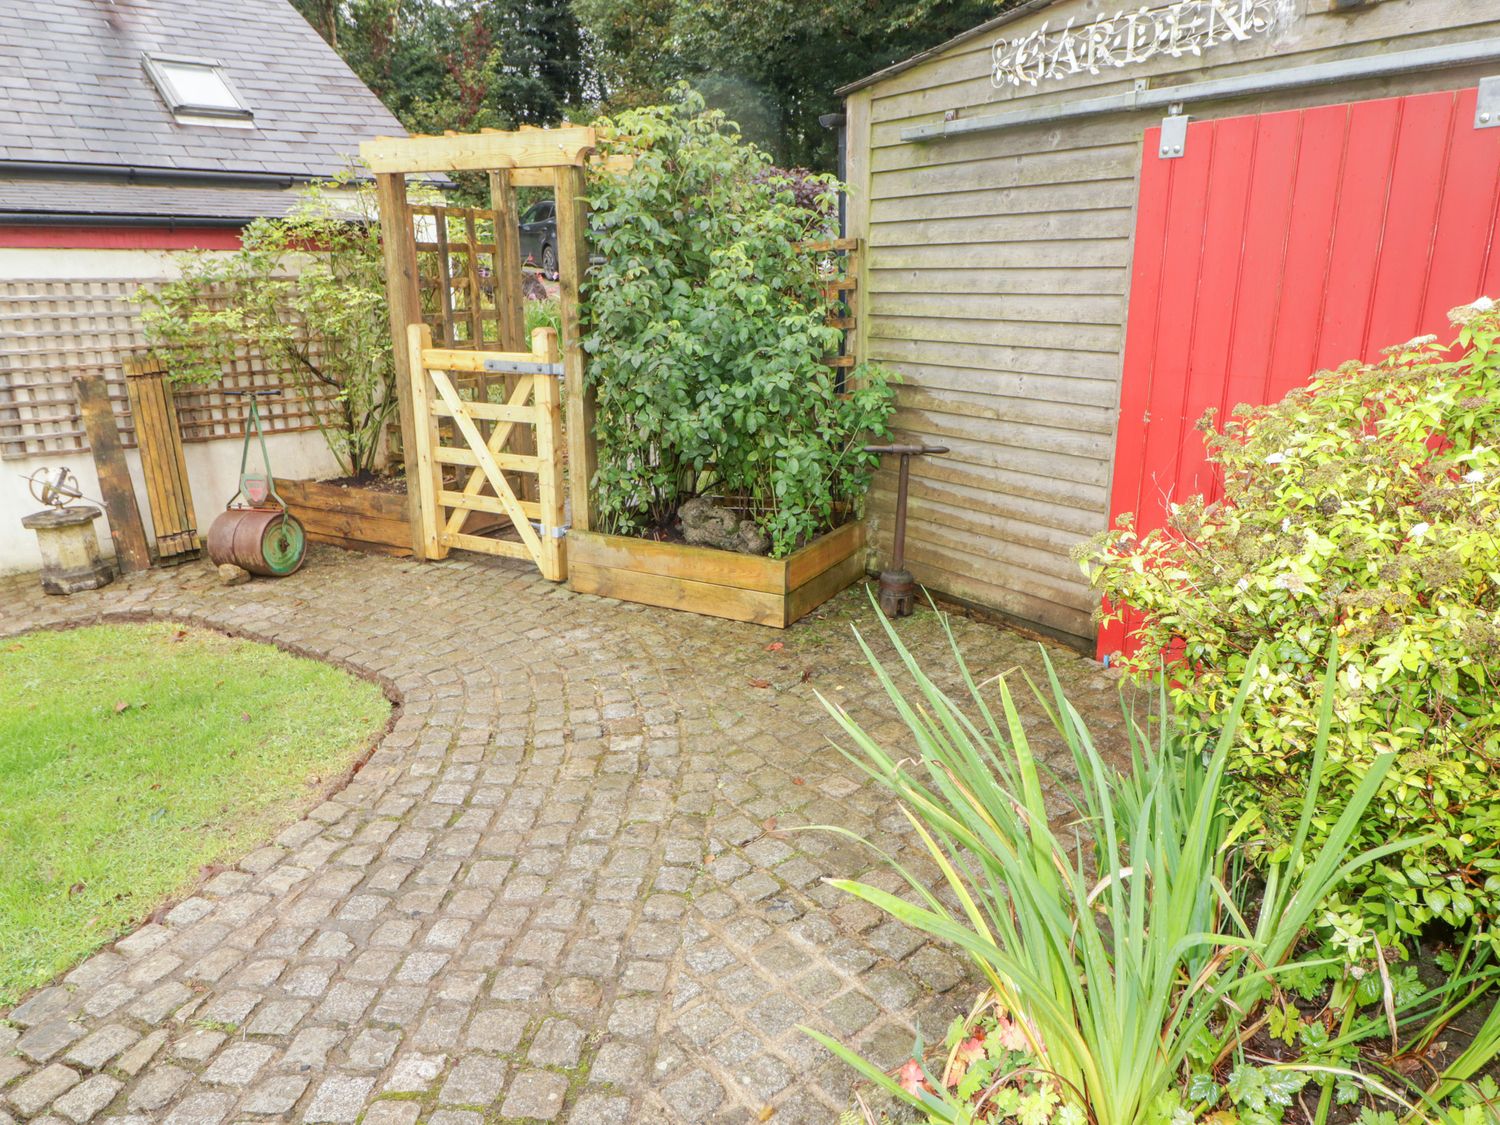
(1188, 27)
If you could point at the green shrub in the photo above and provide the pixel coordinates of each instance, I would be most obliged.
(1360, 510)
(705, 328)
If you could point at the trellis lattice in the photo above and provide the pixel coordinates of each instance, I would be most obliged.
(52, 331)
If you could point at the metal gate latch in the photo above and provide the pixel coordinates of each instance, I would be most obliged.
(1173, 133)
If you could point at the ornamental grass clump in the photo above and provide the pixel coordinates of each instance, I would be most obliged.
(1125, 959)
(1360, 510)
(705, 321)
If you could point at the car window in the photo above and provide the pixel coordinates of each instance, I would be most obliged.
(538, 212)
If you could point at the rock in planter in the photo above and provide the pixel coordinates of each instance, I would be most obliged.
(707, 524)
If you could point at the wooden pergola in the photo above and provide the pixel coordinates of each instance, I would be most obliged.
(555, 158)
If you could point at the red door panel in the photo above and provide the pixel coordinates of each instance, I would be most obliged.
(1283, 243)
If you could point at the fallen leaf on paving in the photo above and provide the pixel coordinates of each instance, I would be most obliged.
(912, 1080)
(798, 781)
(775, 646)
(806, 674)
(760, 683)
(765, 1113)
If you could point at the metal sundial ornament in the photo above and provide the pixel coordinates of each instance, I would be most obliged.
(56, 489)
(65, 536)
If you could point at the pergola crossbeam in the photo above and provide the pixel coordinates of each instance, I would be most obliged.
(479, 152)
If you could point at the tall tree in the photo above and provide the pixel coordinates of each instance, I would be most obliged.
(772, 65)
(461, 64)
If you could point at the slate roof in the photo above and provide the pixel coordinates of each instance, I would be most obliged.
(73, 91)
(76, 201)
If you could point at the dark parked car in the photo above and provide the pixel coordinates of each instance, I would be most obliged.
(539, 238)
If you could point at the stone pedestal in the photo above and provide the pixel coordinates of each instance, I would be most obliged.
(70, 549)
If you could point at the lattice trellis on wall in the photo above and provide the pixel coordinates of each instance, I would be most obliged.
(51, 331)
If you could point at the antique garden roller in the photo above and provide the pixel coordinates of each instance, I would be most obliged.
(259, 535)
(896, 585)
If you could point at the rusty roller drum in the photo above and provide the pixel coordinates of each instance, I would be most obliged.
(263, 541)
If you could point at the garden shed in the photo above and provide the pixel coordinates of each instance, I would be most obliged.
(1085, 228)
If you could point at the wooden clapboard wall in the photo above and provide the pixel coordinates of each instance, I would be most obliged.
(996, 280)
(159, 437)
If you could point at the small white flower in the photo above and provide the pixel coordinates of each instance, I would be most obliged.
(1420, 529)
(1474, 476)
(1276, 459)
(1242, 585)
(1286, 524)
(1484, 304)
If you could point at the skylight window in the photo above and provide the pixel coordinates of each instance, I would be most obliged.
(197, 91)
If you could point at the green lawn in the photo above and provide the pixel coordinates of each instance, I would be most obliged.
(131, 756)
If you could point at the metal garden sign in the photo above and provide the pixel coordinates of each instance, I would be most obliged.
(1188, 27)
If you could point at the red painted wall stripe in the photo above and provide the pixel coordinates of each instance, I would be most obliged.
(83, 237)
(1283, 243)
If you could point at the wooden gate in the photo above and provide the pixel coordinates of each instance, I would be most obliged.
(1282, 243)
(463, 433)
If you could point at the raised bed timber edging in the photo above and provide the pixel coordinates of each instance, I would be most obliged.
(772, 592)
(361, 519)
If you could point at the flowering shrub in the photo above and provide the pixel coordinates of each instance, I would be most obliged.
(1359, 511)
(306, 291)
(706, 328)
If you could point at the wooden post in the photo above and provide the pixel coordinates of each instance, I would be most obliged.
(549, 459)
(401, 294)
(572, 264)
(115, 488)
(509, 302)
(424, 477)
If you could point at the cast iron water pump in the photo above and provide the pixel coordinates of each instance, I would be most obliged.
(897, 589)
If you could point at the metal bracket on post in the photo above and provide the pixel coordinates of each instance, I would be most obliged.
(1487, 104)
(517, 367)
(1173, 133)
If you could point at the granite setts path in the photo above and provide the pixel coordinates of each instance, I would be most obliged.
(564, 887)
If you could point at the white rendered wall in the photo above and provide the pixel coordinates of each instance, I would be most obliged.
(213, 466)
(213, 475)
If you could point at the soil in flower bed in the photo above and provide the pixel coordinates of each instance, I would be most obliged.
(372, 482)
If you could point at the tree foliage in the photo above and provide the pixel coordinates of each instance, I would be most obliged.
(772, 65)
(305, 292)
(1360, 510)
(461, 64)
(705, 326)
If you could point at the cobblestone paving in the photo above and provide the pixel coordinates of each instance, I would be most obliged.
(561, 889)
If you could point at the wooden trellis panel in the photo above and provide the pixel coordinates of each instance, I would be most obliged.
(534, 407)
(159, 436)
(839, 265)
(457, 275)
(54, 331)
